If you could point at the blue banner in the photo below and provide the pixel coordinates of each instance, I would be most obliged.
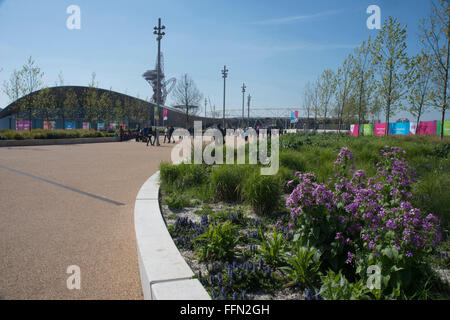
(70, 125)
(399, 128)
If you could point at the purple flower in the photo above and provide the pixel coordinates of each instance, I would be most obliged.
(350, 257)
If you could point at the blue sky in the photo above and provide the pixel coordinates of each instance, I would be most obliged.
(275, 47)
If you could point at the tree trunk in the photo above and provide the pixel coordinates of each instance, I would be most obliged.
(444, 106)
(361, 92)
(388, 107)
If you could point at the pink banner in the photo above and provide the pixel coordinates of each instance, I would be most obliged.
(22, 125)
(86, 125)
(354, 129)
(49, 125)
(427, 127)
(379, 129)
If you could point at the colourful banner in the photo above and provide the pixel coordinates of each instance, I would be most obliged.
(399, 128)
(379, 129)
(354, 130)
(70, 125)
(100, 126)
(427, 127)
(86, 125)
(412, 128)
(446, 128)
(367, 129)
(22, 125)
(156, 113)
(165, 114)
(49, 125)
(294, 117)
(113, 126)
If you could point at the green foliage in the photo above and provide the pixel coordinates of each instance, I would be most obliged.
(227, 181)
(235, 215)
(183, 176)
(263, 193)
(433, 194)
(292, 160)
(176, 201)
(217, 242)
(51, 134)
(206, 210)
(337, 287)
(442, 150)
(272, 248)
(304, 265)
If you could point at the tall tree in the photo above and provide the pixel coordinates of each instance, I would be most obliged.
(118, 110)
(60, 96)
(345, 78)
(327, 89)
(91, 100)
(436, 37)
(307, 103)
(105, 110)
(419, 94)
(70, 106)
(390, 59)
(187, 97)
(46, 103)
(13, 88)
(364, 73)
(315, 92)
(32, 77)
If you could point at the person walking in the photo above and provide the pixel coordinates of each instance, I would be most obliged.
(155, 136)
(171, 130)
(121, 133)
(166, 134)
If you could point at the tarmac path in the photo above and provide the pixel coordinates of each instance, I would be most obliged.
(72, 205)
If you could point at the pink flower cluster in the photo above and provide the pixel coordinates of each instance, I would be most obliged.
(374, 212)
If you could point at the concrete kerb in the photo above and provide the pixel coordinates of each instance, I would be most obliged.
(164, 273)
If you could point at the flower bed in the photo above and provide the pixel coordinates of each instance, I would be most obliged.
(353, 235)
(52, 134)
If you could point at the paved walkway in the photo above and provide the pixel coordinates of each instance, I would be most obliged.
(72, 205)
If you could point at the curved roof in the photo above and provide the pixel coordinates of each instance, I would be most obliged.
(79, 91)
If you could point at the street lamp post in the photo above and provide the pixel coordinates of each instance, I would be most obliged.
(224, 75)
(159, 34)
(248, 111)
(243, 101)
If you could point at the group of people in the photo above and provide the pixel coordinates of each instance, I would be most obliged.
(150, 135)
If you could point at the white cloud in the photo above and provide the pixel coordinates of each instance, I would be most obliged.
(299, 18)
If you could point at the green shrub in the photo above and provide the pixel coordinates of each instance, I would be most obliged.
(285, 175)
(193, 174)
(227, 181)
(292, 160)
(442, 150)
(303, 266)
(337, 287)
(169, 173)
(273, 248)
(52, 134)
(263, 193)
(432, 194)
(235, 215)
(217, 242)
(176, 202)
